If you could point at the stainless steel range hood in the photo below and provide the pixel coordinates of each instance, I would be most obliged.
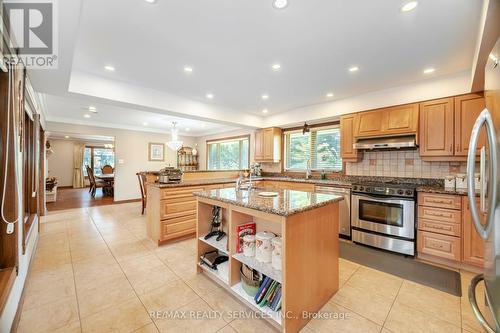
(394, 142)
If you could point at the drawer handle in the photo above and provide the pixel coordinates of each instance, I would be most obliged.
(439, 214)
(440, 227)
(436, 245)
(443, 201)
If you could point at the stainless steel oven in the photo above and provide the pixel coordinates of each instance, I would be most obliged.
(384, 217)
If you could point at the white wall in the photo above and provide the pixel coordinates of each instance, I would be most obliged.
(60, 162)
(132, 148)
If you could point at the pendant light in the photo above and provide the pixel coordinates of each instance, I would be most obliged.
(174, 142)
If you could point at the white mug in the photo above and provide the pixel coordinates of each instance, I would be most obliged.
(249, 245)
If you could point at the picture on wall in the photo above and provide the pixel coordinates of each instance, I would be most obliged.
(157, 152)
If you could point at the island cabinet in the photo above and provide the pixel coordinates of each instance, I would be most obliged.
(308, 225)
(446, 125)
(171, 211)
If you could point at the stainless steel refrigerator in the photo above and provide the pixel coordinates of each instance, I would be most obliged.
(489, 166)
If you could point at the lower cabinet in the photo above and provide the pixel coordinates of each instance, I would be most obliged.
(446, 231)
(473, 244)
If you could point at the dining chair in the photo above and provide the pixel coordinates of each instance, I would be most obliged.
(107, 169)
(94, 184)
(142, 185)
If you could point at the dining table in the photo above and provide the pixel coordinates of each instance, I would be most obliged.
(109, 178)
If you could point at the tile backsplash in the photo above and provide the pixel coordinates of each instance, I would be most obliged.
(402, 164)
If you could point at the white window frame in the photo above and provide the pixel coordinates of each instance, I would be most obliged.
(313, 131)
(241, 139)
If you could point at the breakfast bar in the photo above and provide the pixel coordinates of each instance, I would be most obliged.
(307, 275)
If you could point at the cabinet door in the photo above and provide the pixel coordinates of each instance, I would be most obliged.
(347, 124)
(268, 144)
(369, 123)
(467, 109)
(258, 149)
(401, 119)
(473, 244)
(436, 128)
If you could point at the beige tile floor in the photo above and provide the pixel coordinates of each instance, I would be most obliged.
(96, 271)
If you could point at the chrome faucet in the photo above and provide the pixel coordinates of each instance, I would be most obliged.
(242, 181)
(308, 170)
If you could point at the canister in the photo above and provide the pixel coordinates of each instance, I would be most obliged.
(461, 181)
(276, 257)
(263, 246)
(249, 245)
(449, 183)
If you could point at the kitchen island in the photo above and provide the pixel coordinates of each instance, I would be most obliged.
(308, 225)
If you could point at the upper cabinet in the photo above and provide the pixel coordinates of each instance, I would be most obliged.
(446, 125)
(436, 128)
(347, 152)
(467, 109)
(268, 145)
(395, 120)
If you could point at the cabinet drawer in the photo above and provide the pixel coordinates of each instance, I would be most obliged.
(447, 247)
(440, 200)
(440, 215)
(175, 228)
(451, 229)
(179, 192)
(175, 209)
(189, 216)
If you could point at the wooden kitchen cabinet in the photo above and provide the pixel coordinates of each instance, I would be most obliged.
(467, 109)
(347, 152)
(473, 244)
(437, 128)
(268, 145)
(396, 120)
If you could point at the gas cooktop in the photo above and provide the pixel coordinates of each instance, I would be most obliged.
(385, 189)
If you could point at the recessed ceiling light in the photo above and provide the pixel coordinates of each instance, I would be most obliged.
(329, 95)
(265, 96)
(144, 124)
(409, 6)
(150, 1)
(354, 69)
(187, 129)
(86, 116)
(276, 67)
(280, 4)
(429, 70)
(93, 109)
(66, 137)
(109, 68)
(265, 111)
(188, 69)
(209, 96)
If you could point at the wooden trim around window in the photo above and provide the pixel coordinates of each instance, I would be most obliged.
(229, 138)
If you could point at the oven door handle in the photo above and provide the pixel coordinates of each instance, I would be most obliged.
(382, 198)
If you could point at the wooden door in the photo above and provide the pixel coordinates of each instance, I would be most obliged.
(369, 123)
(268, 144)
(401, 119)
(259, 137)
(436, 128)
(467, 109)
(473, 244)
(347, 151)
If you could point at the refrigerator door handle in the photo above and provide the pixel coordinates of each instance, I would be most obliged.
(482, 174)
(472, 300)
(483, 119)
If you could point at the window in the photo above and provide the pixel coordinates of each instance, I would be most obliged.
(320, 146)
(96, 158)
(230, 154)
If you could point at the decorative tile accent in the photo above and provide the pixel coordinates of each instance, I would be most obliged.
(402, 164)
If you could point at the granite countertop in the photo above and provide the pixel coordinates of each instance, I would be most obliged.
(442, 190)
(288, 202)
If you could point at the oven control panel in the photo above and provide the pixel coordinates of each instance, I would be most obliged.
(385, 190)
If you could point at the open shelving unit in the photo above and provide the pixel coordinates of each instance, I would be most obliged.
(308, 281)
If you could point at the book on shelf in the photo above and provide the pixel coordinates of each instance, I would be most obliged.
(269, 294)
(241, 231)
